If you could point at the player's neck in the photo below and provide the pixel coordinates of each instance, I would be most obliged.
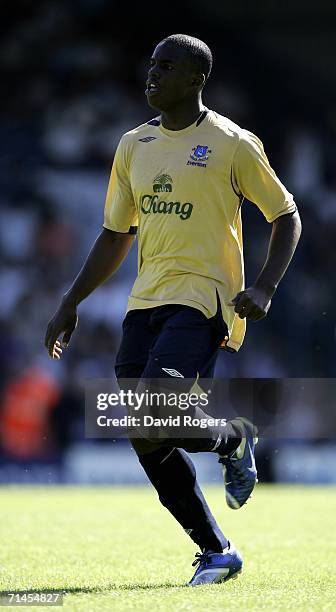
(183, 115)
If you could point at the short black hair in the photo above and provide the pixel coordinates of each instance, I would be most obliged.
(199, 53)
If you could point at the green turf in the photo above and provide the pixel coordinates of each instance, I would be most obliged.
(118, 549)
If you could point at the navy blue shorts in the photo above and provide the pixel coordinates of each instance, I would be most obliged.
(169, 340)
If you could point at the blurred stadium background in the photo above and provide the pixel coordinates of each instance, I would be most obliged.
(73, 80)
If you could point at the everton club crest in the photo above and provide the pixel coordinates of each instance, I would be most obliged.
(199, 156)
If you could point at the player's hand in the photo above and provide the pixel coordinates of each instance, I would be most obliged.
(252, 304)
(64, 321)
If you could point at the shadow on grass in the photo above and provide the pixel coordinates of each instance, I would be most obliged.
(102, 589)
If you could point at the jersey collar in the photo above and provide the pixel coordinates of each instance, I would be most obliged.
(186, 130)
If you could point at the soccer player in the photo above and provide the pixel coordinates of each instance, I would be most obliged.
(180, 179)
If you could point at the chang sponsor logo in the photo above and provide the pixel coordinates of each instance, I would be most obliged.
(162, 182)
(152, 204)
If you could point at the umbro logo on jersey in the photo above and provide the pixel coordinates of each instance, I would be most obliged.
(147, 139)
(199, 156)
(173, 372)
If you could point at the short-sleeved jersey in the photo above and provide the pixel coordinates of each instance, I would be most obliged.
(184, 190)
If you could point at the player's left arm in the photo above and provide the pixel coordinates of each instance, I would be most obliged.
(254, 303)
(257, 181)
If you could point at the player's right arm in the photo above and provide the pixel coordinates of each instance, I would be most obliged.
(105, 257)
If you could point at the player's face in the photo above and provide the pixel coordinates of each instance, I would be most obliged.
(170, 79)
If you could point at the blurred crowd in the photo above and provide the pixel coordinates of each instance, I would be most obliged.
(71, 90)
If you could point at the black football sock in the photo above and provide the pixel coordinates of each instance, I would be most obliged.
(222, 439)
(205, 439)
(228, 446)
(173, 475)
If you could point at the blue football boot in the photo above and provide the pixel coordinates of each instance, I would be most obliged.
(239, 468)
(214, 567)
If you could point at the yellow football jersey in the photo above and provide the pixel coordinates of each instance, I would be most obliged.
(184, 190)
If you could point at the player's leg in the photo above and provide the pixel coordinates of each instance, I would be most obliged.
(167, 335)
(170, 470)
(173, 475)
(188, 343)
(187, 346)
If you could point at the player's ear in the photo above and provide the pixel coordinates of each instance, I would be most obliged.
(198, 79)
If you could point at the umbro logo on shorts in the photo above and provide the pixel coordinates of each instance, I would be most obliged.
(173, 372)
(147, 139)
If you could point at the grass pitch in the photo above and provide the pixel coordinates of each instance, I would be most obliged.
(118, 549)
